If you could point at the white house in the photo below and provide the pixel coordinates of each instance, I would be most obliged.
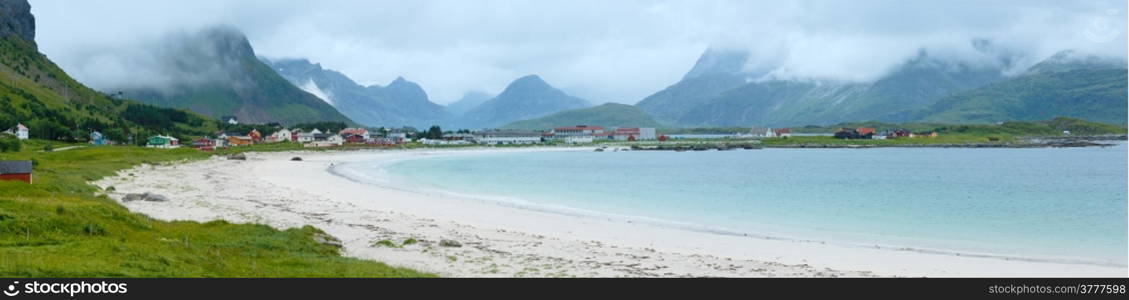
(282, 135)
(508, 137)
(626, 133)
(761, 132)
(336, 139)
(443, 142)
(306, 137)
(578, 139)
(20, 131)
(330, 141)
(648, 133)
(577, 130)
(392, 138)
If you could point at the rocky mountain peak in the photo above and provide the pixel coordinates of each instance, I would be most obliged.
(16, 19)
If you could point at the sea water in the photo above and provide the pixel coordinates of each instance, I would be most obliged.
(1054, 204)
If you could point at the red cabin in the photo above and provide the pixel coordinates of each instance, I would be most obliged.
(355, 139)
(15, 170)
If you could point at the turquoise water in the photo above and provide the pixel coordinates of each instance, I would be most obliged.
(1054, 204)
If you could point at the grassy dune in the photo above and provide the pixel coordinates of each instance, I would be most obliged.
(61, 226)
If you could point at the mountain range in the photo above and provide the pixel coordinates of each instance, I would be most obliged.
(525, 98)
(467, 102)
(1065, 85)
(400, 103)
(215, 72)
(404, 103)
(718, 92)
(607, 114)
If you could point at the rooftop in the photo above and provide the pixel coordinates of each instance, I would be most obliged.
(580, 127)
(15, 167)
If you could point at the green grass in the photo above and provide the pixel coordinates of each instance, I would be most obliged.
(942, 139)
(1050, 127)
(61, 227)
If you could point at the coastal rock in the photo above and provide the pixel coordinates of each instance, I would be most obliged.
(145, 197)
(132, 197)
(326, 239)
(237, 156)
(450, 243)
(155, 197)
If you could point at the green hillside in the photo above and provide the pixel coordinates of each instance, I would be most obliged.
(1096, 95)
(610, 114)
(36, 92)
(61, 226)
(216, 73)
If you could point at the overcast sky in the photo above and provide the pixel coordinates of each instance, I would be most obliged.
(619, 51)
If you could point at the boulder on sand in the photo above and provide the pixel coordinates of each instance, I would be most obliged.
(325, 239)
(450, 243)
(145, 197)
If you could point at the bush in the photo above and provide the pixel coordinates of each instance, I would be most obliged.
(9, 144)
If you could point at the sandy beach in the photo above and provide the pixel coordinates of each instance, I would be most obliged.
(502, 241)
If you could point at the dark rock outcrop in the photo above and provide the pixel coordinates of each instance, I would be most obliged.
(16, 19)
(450, 243)
(328, 240)
(145, 197)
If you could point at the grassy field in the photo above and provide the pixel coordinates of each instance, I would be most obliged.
(942, 139)
(1053, 126)
(60, 226)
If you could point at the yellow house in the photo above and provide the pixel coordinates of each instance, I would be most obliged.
(236, 141)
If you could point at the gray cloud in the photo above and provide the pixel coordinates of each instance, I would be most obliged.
(616, 51)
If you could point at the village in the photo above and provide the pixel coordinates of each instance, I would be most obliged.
(568, 135)
(581, 134)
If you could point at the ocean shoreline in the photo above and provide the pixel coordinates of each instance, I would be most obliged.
(689, 226)
(497, 231)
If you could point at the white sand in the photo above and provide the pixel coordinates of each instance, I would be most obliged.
(501, 241)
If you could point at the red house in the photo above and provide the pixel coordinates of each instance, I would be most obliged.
(204, 144)
(15, 170)
(256, 137)
(866, 131)
(355, 139)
